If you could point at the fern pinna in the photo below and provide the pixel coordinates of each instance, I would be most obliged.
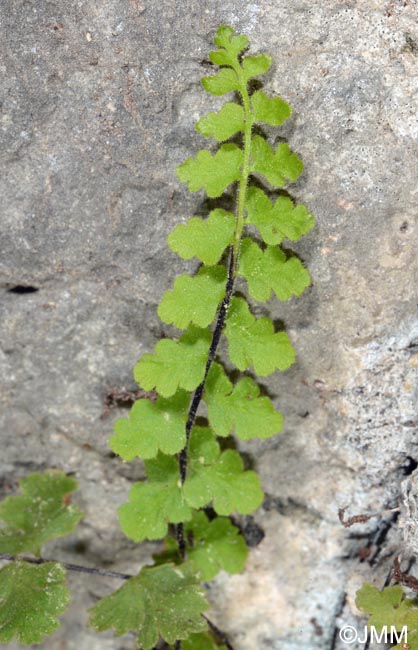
(187, 470)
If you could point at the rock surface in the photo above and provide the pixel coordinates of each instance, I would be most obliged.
(98, 104)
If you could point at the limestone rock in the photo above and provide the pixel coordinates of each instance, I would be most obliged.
(99, 101)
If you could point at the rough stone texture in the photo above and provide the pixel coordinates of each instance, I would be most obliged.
(98, 103)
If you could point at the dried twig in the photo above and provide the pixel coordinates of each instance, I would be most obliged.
(404, 578)
(360, 519)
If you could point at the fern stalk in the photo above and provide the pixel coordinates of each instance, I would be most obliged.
(229, 289)
(243, 183)
(197, 396)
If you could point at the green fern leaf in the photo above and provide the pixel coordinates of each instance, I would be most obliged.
(204, 239)
(276, 166)
(151, 427)
(239, 410)
(224, 82)
(163, 601)
(156, 503)
(231, 45)
(175, 364)
(219, 478)
(280, 221)
(254, 342)
(184, 305)
(216, 545)
(270, 270)
(31, 599)
(271, 111)
(252, 66)
(223, 124)
(379, 604)
(212, 173)
(42, 512)
(388, 607)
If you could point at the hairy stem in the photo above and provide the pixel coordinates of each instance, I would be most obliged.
(222, 311)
